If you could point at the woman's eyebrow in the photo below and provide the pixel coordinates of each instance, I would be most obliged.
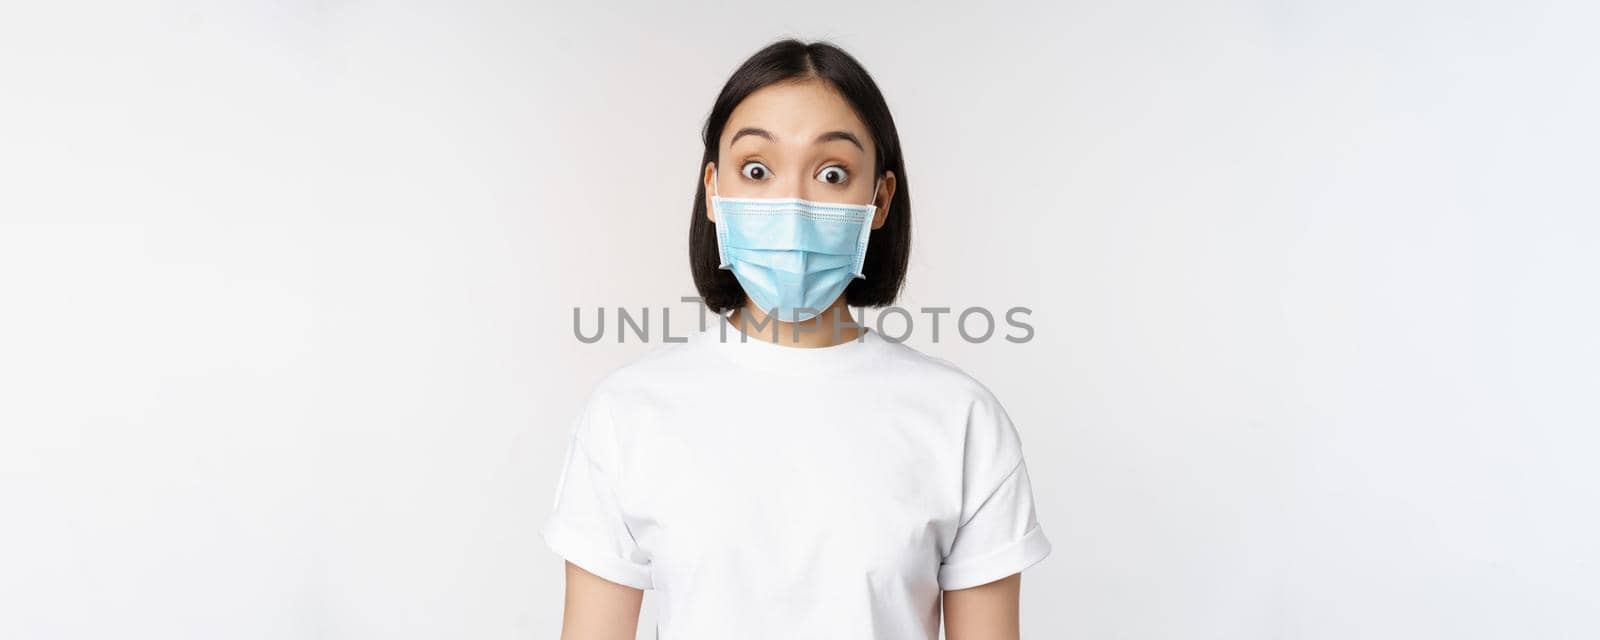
(826, 137)
(840, 135)
(754, 131)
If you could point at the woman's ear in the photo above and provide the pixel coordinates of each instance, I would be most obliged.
(885, 196)
(711, 174)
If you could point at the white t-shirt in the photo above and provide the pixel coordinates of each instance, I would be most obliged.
(768, 491)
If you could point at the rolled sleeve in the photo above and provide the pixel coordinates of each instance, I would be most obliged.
(1003, 537)
(998, 533)
(586, 525)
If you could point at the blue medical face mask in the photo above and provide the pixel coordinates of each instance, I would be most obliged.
(792, 256)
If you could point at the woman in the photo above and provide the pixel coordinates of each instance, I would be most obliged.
(786, 473)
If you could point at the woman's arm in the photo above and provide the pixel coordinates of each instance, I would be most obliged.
(985, 612)
(599, 609)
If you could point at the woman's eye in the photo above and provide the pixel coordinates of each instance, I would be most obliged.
(832, 174)
(755, 170)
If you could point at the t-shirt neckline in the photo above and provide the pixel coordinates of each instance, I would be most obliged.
(726, 339)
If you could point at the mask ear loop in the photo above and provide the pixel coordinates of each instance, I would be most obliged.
(866, 230)
(721, 226)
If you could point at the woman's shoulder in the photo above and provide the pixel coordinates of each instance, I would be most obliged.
(662, 365)
(989, 436)
(936, 374)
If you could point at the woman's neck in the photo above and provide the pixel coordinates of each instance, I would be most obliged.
(834, 326)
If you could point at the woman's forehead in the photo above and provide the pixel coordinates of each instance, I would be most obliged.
(794, 113)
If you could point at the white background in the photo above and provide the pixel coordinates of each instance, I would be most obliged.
(286, 296)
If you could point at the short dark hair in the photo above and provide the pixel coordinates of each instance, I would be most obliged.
(888, 247)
